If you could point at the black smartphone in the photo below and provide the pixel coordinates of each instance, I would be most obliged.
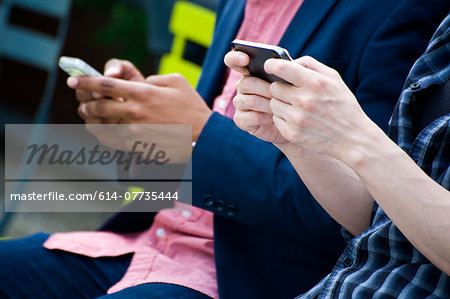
(258, 54)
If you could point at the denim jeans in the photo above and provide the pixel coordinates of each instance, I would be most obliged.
(28, 270)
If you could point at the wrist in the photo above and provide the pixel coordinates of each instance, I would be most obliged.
(369, 145)
(200, 123)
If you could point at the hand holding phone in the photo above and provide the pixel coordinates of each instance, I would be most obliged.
(76, 67)
(258, 54)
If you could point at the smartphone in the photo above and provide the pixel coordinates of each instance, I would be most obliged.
(258, 54)
(77, 67)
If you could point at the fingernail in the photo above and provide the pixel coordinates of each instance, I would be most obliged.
(84, 110)
(96, 95)
(72, 82)
(111, 71)
(267, 64)
(242, 59)
(120, 99)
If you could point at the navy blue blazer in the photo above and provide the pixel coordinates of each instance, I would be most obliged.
(272, 239)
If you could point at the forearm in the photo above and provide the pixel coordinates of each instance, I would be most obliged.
(413, 201)
(335, 186)
(258, 180)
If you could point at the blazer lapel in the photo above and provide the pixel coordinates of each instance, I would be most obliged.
(304, 24)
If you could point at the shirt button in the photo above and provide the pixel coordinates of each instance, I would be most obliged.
(347, 262)
(186, 214)
(222, 104)
(160, 232)
(415, 85)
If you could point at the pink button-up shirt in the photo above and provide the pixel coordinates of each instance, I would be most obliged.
(178, 247)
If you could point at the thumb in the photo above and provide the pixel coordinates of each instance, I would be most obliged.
(122, 69)
(237, 61)
(315, 65)
(113, 70)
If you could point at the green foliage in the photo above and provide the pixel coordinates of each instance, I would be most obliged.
(125, 28)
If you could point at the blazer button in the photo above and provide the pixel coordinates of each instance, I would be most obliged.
(232, 210)
(415, 85)
(347, 262)
(208, 200)
(219, 205)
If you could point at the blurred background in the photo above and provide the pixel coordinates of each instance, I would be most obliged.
(34, 33)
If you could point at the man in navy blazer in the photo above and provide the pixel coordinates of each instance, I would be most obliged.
(272, 240)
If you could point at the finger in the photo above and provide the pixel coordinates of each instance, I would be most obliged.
(290, 71)
(281, 109)
(109, 121)
(122, 69)
(107, 135)
(166, 80)
(281, 125)
(112, 87)
(266, 132)
(237, 61)
(106, 109)
(89, 119)
(86, 117)
(269, 133)
(248, 119)
(287, 93)
(252, 103)
(253, 85)
(84, 96)
(93, 121)
(315, 65)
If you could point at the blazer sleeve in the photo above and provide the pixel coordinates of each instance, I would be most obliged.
(399, 41)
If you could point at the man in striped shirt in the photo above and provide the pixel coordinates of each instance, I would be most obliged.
(393, 197)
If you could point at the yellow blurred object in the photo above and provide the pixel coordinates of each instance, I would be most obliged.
(189, 22)
(135, 191)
